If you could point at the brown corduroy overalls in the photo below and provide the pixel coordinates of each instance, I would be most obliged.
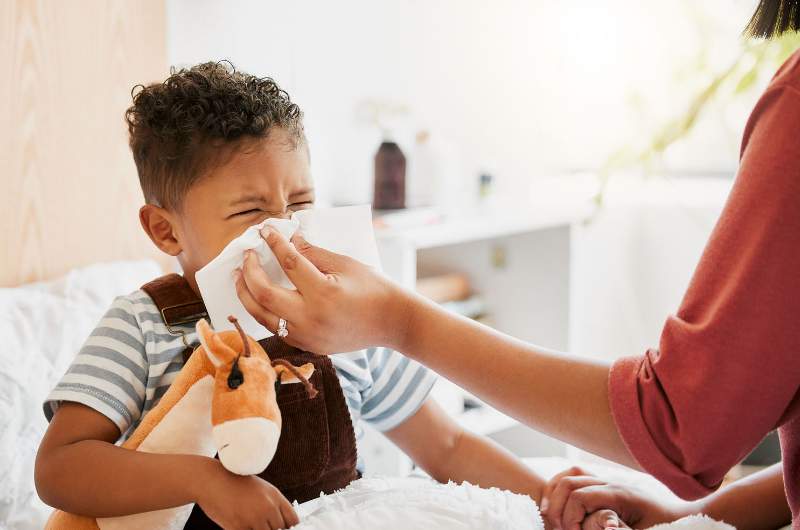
(317, 448)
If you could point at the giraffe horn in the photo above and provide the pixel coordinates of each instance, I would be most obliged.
(233, 320)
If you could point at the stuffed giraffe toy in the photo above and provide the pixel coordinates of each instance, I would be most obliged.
(222, 402)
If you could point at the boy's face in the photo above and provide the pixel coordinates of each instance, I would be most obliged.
(266, 178)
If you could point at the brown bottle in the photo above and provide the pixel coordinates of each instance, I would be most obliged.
(390, 178)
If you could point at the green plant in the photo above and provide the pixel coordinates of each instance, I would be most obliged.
(757, 58)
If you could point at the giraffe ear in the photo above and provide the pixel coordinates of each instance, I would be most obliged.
(286, 376)
(206, 335)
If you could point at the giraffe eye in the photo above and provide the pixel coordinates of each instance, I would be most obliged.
(236, 377)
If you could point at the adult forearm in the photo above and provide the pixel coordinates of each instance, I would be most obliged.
(341, 305)
(99, 479)
(756, 502)
(560, 395)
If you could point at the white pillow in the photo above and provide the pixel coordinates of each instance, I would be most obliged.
(42, 326)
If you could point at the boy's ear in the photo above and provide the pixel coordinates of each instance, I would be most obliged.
(160, 227)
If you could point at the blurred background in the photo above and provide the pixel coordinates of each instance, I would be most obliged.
(552, 169)
(518, 89)
(517, 93)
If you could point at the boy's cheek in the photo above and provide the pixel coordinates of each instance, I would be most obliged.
(213, 248)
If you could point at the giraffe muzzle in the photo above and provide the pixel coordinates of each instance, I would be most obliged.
(246, 446)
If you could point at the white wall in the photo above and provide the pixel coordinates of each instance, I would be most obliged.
(521, 88)
(631, 265)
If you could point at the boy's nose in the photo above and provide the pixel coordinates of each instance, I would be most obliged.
(246, 446)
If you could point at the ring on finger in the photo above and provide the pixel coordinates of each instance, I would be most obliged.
(282, 331)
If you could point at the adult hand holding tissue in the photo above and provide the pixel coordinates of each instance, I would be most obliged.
(346, 230)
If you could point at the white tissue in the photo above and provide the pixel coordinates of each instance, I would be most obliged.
(347, 230)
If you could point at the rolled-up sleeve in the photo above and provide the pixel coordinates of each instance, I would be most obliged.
(727, 368)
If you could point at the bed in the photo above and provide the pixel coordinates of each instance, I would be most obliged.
(42, 325)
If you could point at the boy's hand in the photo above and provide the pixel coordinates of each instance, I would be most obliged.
(603, 520)
(238, 502)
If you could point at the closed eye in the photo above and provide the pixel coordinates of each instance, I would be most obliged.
(293, 207)
(247, 212)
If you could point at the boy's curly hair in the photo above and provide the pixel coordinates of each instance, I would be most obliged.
(179, 128)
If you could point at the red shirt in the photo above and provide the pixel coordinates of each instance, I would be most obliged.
(727, 370)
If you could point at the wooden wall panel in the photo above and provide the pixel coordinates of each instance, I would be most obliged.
(70, 194)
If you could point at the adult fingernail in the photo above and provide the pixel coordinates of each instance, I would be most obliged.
(267, 232)
(545, 504)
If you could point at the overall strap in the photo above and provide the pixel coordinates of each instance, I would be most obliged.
(177, 303)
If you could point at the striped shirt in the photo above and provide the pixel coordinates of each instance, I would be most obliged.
(130, 359)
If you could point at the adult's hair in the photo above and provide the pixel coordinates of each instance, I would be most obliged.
(773, 18)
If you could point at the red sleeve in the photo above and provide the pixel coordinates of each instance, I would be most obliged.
(728, 363)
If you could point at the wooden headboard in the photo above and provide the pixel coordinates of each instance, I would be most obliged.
(70, 193)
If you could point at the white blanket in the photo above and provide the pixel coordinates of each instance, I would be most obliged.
(403, 504)
(417, 503)
(694, 522)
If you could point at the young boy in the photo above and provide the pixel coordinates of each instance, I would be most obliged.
(218, 151)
